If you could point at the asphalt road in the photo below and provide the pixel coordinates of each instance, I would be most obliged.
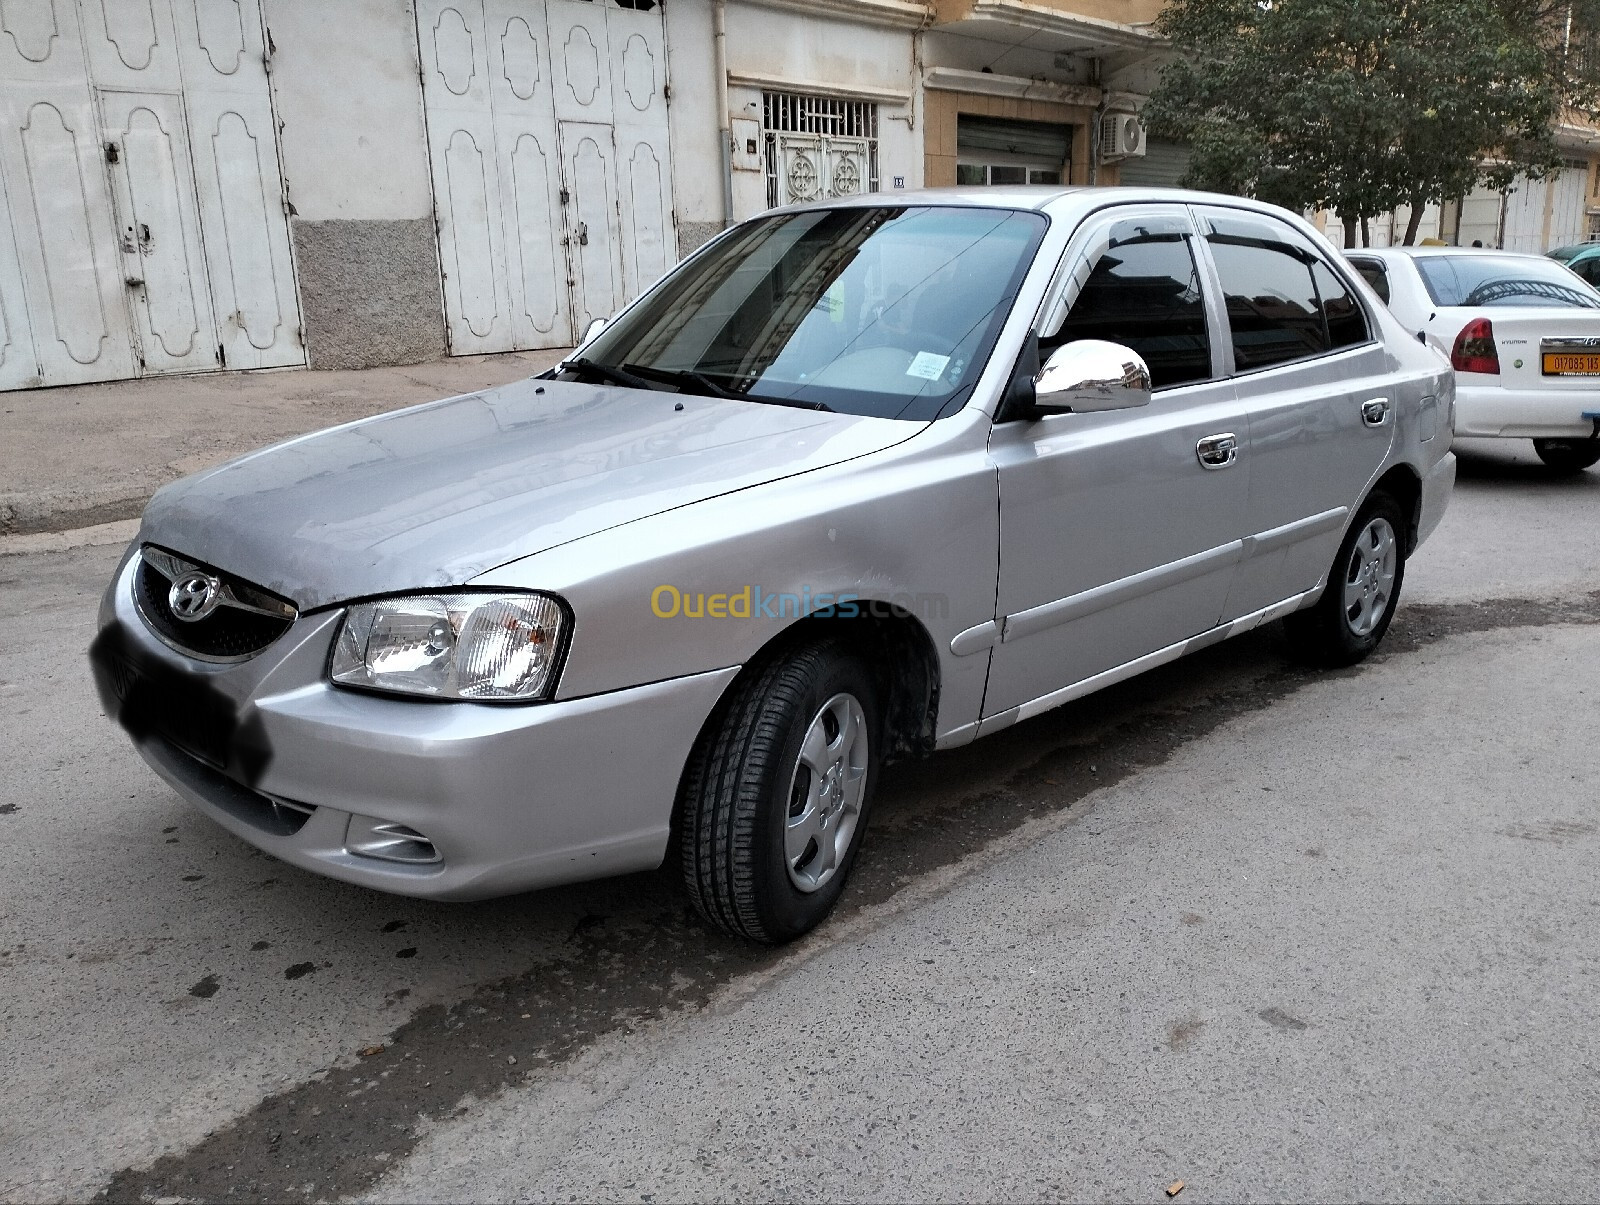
(1272, 933)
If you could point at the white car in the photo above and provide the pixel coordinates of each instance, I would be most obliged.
(1522, 333)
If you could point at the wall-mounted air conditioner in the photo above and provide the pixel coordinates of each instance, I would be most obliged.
(1121, 136)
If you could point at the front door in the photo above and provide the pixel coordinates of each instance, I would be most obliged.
(1117, 539)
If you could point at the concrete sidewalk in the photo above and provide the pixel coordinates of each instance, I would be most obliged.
(81, 455)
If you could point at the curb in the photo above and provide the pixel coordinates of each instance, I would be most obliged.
(120, 532)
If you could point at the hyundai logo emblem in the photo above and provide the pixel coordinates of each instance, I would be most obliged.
(194, 596)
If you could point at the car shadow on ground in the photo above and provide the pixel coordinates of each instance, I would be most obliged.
(1513, 460)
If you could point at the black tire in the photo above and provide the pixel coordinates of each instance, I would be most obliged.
(1330, 633)
(1568, 455)
(735, 805)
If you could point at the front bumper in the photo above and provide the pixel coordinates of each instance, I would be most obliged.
(1489, 410)
(511, 797)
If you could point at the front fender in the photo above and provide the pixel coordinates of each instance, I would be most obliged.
(707, 586)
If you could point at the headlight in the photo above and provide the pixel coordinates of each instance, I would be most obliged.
(452, 646)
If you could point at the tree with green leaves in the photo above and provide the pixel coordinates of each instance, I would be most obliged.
(1362, 106)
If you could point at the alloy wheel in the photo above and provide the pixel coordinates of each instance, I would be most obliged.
(1369, 576)
(826, 792)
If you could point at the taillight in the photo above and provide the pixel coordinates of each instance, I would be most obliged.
(1474, 350)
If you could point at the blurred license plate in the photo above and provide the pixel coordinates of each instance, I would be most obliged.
(1571, 364)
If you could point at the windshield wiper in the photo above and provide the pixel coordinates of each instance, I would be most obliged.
(683, 376)
(792, 402)
(608, 374)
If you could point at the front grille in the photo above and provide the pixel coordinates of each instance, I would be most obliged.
(245, 618)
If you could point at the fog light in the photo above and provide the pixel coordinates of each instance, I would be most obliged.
(370, 837)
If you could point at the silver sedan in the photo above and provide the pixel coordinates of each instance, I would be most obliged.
(855, 482)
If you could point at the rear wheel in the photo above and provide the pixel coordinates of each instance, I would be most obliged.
(776, 795)
(1568, 455)
(1363, 589)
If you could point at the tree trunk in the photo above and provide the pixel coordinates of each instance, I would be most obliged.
(1417, 206)
(1366, 232)
(1349, 232)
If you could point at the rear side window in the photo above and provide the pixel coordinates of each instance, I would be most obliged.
(1373, 273)
(1283, 302)
(1485, 280)
(1347, 325)
(1144, 293)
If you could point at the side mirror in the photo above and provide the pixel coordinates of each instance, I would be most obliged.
(593, 329)
(1091, 375)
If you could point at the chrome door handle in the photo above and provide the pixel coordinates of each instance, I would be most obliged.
(1375, 412)
(1218, 451)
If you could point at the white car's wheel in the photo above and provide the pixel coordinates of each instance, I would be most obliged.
(1568, 455)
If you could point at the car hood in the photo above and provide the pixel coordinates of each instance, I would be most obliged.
(438, 494)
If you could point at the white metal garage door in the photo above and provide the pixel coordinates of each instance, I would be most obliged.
(547, 132)
(139, 173)
(1542, 215)
(1569, 194)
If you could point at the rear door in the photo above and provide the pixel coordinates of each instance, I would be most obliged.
(1319, 393)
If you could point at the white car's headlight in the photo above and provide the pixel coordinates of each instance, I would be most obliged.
(453, 646)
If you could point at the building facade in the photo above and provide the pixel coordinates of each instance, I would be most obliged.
(1532, 216)
(203, 185)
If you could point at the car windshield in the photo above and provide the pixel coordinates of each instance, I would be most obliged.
(1487, 280)
(882, 311)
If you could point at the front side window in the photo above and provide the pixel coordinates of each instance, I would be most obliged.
(887, 311)
(1144, 293)
(1284, 303)
(1496, 280)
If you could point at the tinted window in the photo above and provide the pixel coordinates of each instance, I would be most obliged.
(888, 311)
(1372, 272)
(1272, 305)
(1486, 280)
(1588, 268)
(1144, 293)
(1347, 325)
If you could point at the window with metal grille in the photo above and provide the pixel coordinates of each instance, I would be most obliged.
(818, 146)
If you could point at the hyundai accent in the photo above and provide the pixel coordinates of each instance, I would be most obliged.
(855, 482)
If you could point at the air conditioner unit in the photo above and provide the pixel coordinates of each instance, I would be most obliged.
(1121, 136)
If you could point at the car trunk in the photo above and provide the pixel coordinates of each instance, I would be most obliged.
(1520, 337)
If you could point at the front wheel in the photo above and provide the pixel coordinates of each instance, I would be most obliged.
(1363, 589)
(1568, 455)
(776, 794)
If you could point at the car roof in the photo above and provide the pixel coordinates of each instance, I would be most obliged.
(1039, 197)
(1575, 251)
(1438, 252)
